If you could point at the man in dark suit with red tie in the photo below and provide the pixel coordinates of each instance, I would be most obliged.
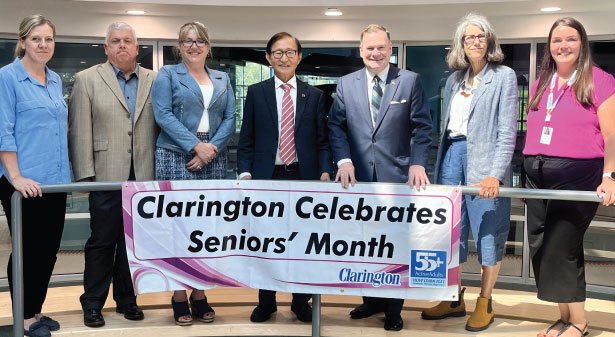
(283, 136)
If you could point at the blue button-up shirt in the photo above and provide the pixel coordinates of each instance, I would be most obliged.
(34, 123)
(129, 88)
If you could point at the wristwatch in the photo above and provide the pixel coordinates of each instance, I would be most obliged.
(610, 175)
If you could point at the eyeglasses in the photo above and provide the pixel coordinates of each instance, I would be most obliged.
(189, 43)
(469, 39)
(277, 54)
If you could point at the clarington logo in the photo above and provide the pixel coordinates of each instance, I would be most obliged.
(375, 279)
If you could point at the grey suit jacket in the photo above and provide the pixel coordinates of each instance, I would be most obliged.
(400, 136)
(101, 139)
(492, 124)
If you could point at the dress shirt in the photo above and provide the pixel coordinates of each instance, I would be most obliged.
(370, 85)
(34, 124)
(460, 105)
(279, 94)
(129, 88)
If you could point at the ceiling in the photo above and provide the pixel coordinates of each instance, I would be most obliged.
(255, 20)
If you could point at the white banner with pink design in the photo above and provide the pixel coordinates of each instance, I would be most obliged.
(383, 240)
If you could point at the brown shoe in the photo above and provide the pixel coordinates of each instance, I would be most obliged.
(446, 309)
(482, 316)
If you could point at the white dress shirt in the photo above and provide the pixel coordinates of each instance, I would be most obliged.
(460, 106)
(208, 91)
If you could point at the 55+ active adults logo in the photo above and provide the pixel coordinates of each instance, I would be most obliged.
(428, 268)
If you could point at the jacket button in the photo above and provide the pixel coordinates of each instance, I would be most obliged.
(129, 150)
(373, 141)
(371, 163)
(130, 133)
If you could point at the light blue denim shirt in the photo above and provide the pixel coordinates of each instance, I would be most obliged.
(33, 123)
(178, 106)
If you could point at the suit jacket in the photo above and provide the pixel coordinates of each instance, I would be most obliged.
(102, 141)
(258, 139)
(492, 124)
(178, 108)
(400, 136)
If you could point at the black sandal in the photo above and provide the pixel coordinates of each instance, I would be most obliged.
(181, 312)
(552, 326)
(202, 310)
(583, 332)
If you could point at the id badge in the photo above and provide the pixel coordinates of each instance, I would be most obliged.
(545, 136)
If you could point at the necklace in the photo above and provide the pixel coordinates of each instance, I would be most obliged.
(466, 91)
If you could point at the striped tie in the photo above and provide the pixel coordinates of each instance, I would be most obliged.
(287, 135)
(376, 98)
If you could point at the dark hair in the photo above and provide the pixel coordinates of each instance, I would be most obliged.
(583, 85)
(279, 36)
(26, 26)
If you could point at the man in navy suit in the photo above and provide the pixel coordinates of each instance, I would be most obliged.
(283, 136)
(380, 132)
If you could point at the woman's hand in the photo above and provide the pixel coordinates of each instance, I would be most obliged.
(489, 187)
(195, 164)
(606, 191)
(27, 187)
(206, 152)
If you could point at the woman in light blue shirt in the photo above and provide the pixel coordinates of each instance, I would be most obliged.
(34, 152)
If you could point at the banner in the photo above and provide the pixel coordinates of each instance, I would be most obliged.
(384, 240)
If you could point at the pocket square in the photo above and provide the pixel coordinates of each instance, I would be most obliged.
(398, 102)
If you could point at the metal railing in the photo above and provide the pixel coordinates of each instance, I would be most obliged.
(16, 223)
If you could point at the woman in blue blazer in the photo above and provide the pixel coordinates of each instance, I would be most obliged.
(479, 122)
(195, 108)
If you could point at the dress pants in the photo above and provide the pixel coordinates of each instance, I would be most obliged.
(390, 306)
(556, 227)
(105, 254)
(266, 298)
(42, 226)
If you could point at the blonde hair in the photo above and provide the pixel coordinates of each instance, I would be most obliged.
(25, 28)
(200, 30)
(375, 28)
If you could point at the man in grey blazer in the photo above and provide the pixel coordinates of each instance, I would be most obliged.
(380, 132)
(112, 137)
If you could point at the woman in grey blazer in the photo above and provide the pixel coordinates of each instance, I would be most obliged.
(195, 108)
(479, 123)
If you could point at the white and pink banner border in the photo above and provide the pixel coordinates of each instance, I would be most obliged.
(384, 240)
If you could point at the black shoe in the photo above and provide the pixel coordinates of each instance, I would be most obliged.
(131, 311)
(261, 313)
(303, 311)
(364, 311)
(93, 318)
(393, 324)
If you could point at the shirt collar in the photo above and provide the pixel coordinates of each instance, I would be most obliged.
(117, 71)
(383, 74)
(23, 75)
(478, 76)
(292, 82)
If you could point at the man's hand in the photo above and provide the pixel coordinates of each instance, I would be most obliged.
(417, 177)
(325, 176)
(345, 175)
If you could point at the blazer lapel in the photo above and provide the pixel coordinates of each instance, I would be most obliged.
(360, 89)
(389, 92)
(302, 98)
(219, 87)
(484, 85)
(143, 91)
(110, 78)
(186, 80)
(271, 103)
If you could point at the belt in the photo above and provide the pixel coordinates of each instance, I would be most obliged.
(288, 168)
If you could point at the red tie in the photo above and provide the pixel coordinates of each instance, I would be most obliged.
(287, 135)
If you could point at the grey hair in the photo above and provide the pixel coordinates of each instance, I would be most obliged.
(119, 26)
(456, 57)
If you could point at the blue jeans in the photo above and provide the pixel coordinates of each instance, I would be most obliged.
(489, 219)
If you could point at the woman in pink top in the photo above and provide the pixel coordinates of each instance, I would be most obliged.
(571, 116)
